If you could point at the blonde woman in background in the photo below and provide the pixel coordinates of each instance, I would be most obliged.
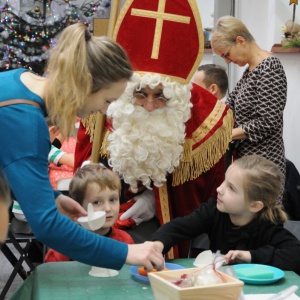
(258, 99)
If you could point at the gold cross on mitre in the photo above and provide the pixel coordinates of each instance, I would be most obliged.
(161, 37)
(293, 2)
(160, 17)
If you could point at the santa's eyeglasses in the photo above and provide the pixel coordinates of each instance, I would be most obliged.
(159, 101)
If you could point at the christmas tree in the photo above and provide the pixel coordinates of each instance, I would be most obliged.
(26, 37)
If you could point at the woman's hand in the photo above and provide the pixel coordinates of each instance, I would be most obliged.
(147, 254)
(237, 256)
(69, 207)
(159, 245)
(238, 133)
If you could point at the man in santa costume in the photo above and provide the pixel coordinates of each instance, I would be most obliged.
(166, 137)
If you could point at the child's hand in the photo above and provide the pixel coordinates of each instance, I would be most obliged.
(237, 256)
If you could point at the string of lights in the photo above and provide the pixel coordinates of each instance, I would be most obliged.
(27, 37)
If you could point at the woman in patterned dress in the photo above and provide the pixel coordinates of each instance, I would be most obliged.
(259, 97)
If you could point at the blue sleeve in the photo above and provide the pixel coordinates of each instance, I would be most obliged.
(56, 193)
(32, 189)
(25, 145)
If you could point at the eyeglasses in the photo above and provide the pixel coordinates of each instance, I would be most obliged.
(159, 101)
(226, 55)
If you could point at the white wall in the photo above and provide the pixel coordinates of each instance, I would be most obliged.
(291, 130)
(206, 8)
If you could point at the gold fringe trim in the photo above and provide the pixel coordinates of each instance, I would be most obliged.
(103, 149)
(210, 122)
(187, 151)
(89, 124)
(195, 162)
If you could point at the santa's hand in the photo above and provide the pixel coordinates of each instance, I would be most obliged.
(143, 209)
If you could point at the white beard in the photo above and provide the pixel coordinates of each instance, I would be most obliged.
(145, 146)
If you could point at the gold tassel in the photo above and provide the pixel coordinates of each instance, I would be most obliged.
(206, 155)
(187, 151)
(89, 124)
(103, 149)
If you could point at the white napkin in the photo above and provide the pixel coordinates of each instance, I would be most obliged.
(102, 272)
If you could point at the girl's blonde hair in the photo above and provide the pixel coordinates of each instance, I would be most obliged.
(262, 182)
(227, 29)
(92, 173)
(81, 64)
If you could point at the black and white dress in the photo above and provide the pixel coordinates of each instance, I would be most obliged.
(258, 102)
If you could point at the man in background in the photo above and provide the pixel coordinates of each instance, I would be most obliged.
(213, 78)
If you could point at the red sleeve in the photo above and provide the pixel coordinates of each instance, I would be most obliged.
(121, 236)
(54, 256)
(83, 147)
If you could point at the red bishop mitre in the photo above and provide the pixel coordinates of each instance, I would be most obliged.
(162, 36)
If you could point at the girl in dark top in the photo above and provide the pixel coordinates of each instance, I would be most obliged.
(245, 222)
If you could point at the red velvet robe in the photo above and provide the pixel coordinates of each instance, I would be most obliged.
(202, 167)
(208, 133)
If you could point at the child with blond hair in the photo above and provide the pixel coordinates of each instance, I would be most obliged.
(100, 186)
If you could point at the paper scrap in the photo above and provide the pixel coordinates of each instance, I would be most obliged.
(267, 296)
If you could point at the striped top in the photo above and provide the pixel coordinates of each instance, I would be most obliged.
(55, 155)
